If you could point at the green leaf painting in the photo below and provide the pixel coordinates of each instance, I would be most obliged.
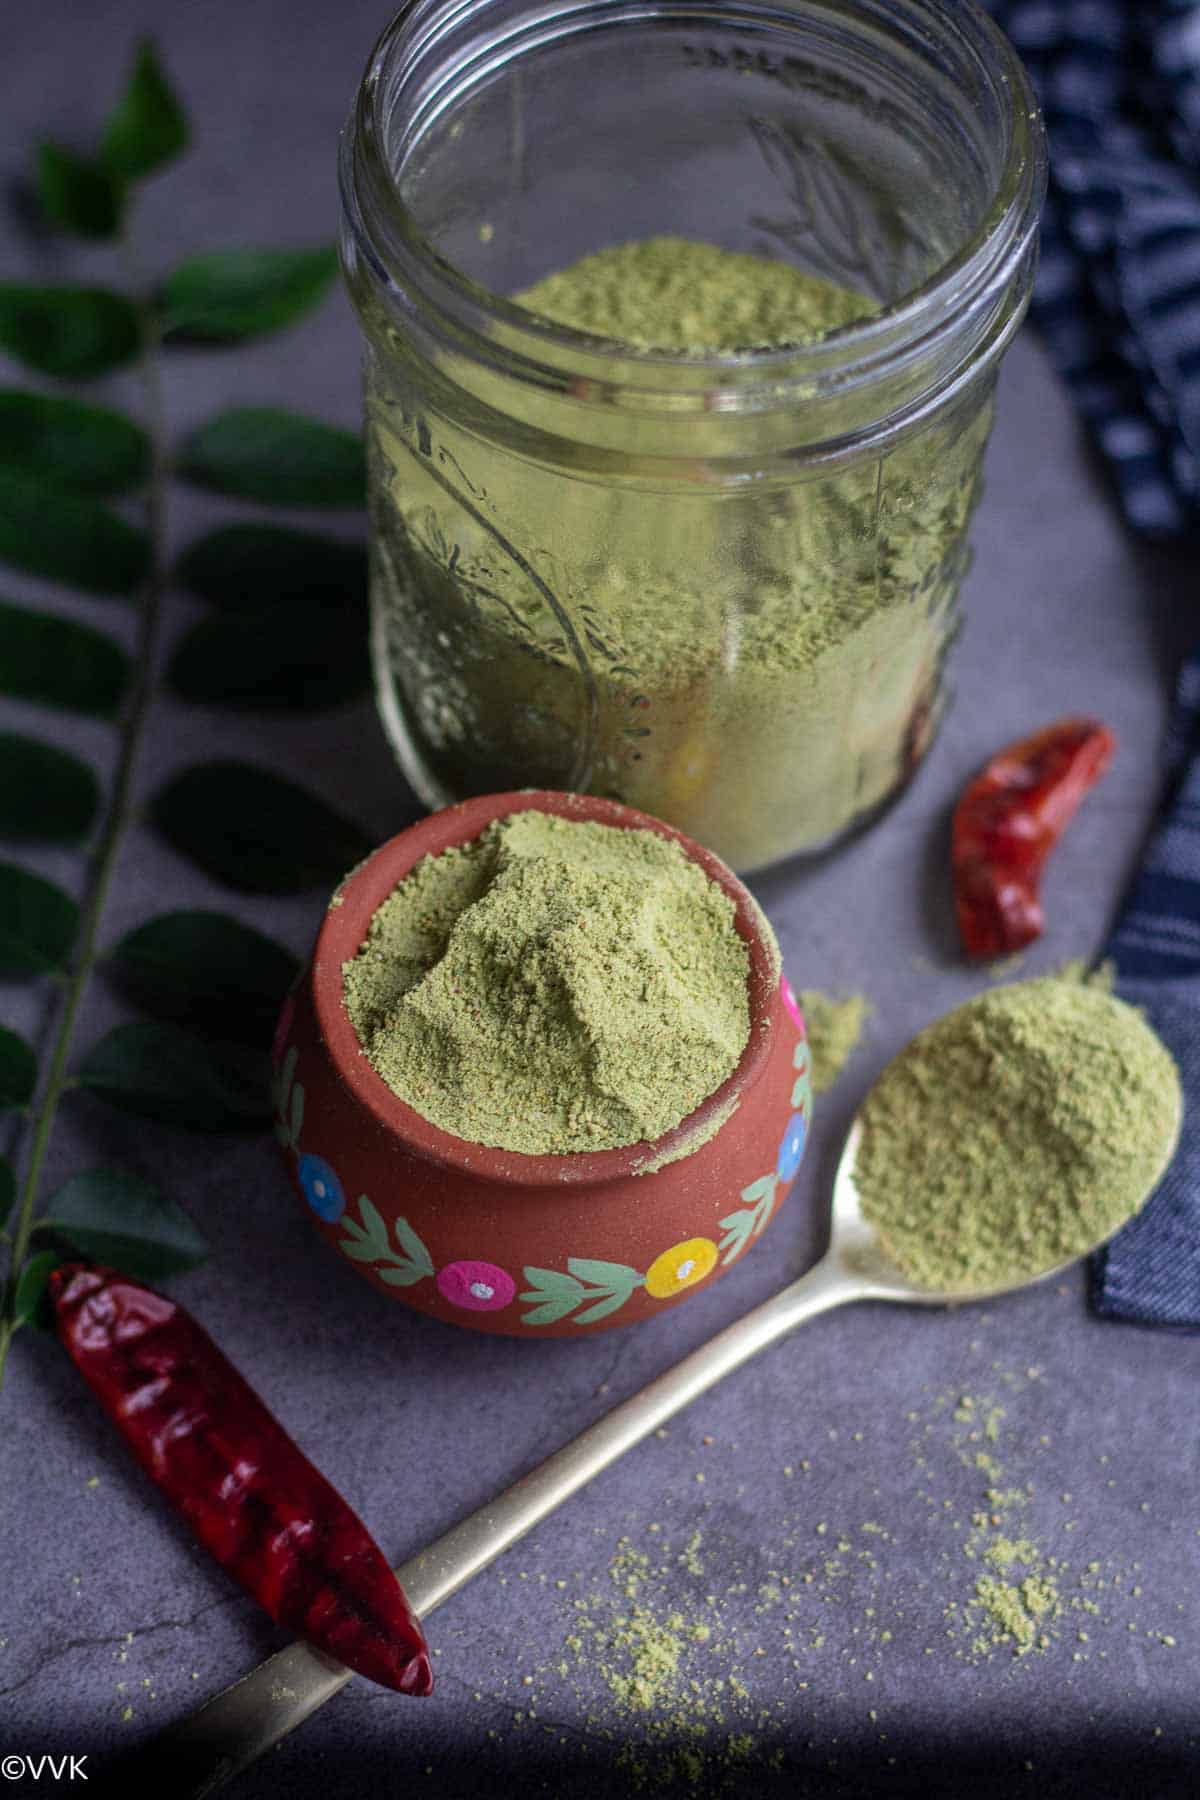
(60, 662)
(67, 537)
(89, 449)
(47, 796)
(73, 333)
(229, 295)
(38, 924)
(280, 458)
(120, 1219)
(166, 1073)
(256, 831)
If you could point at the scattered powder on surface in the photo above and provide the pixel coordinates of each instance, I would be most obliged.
(553, 986)
(1015, 1133)
(834, 1028)
(671, 293)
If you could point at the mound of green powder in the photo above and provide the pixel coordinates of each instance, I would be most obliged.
(834, 1028)
(1015, 1133)
(670, 293)
(553, 986)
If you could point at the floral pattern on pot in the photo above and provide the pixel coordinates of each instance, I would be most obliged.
(681, 1267)
(589, 1289)
(477, 1286)
(322, 1189)
(792, 1005)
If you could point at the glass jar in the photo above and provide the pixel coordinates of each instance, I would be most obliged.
(718, 587)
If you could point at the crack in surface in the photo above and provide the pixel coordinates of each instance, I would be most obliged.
(130, 1637)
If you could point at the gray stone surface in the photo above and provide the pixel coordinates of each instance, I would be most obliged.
(113, 1624)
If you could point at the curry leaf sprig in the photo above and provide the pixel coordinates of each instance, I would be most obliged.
(284, 632)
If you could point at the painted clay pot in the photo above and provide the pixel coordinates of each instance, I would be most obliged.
(532, 1246)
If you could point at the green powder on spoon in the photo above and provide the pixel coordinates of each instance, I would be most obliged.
(1015, 1133)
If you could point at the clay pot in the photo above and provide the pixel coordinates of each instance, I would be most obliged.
(541, 1246)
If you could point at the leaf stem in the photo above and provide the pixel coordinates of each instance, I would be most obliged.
(119, 810)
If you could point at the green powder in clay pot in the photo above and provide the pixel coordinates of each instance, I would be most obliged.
(553, 986)
(1015, 1133)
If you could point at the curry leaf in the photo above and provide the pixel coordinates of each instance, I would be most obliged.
(47, 795)
(119, 1219)
(73, 333)
(207, 970)
(18, 1069)
(230, 295)
(249, 567)
(30, 1297)
(38, 923)
(280, 458)
(294, 657)
(148, 127)
(89, 449)
(78, 194)
(8, 1190)
(163, 1072)
(59, 662)
(255, 830)
(68, 538)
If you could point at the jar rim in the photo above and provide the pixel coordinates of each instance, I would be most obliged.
(384, 234)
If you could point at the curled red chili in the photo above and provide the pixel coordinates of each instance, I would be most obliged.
(1006, 823)
(246, 1489)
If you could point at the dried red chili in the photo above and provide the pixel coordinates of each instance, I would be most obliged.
(1006, 823)
(246, 1489)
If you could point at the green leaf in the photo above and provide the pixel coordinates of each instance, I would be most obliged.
(603, 1274)
(255, 830)
(67, 537)
(373, 1222)
(73, 333)
(755, 1191)
(119, 1219)
(88, 449)
(8, 1190)
(602, 1308)
(552, 1282)
(18, 1069)
(403, 1275)
(78, 194)
(362, 1249)
(57, 662)
(30, 1298)
(38, 923)
(209, 971)
(249, 568)
(550, 1314)
(148, 127)
(163, 1072)
(302, 657)
(413, 1248)
(47, 796)
(230, 295)
(280, 458)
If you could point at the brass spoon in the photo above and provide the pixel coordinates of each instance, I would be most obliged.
(225, 1736)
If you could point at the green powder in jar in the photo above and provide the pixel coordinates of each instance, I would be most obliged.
(553, 986)
(757, 661)
(1015, 1133)
(674, 294)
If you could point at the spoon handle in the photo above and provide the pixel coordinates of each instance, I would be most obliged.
(223, 1737)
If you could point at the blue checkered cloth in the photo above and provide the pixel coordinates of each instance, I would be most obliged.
(1118, 303)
